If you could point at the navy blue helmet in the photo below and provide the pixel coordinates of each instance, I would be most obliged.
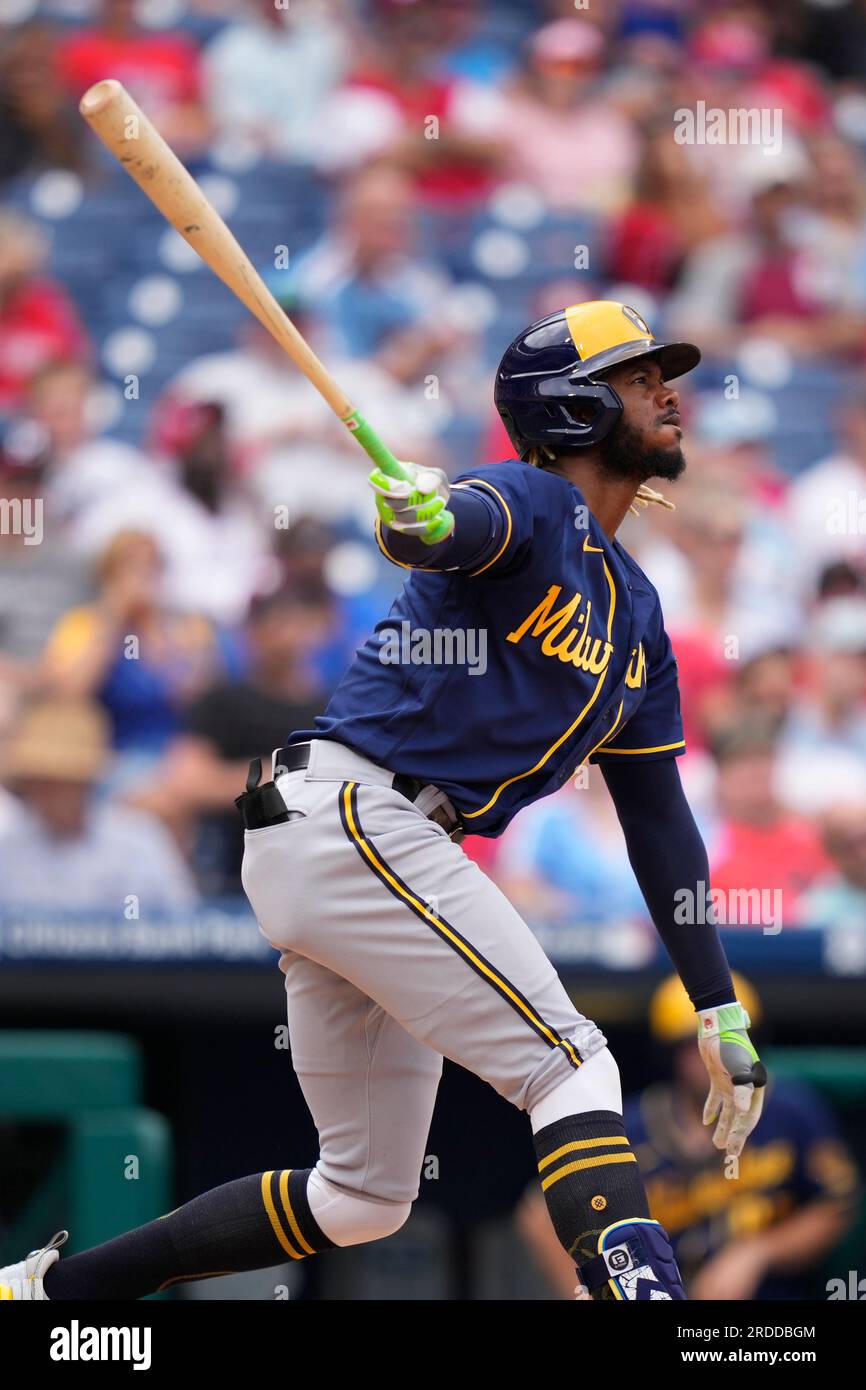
(558, 364)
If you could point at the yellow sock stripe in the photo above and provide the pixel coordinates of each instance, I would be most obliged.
(287, 1208)
(275, 1220)
(581, 1163)
(578, 1144)
(428, 912)
(6, 1292)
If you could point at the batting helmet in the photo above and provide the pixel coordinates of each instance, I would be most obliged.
(559, 363)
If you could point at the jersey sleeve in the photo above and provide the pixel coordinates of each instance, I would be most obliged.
(655, 730)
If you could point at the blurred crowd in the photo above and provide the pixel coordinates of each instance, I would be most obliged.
(186, 562)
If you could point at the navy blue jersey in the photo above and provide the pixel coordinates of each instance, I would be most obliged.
(496, 683)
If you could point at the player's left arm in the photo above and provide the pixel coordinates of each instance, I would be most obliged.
(669, 859)
(670, 862)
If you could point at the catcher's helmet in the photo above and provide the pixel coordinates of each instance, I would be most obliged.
(561, 360)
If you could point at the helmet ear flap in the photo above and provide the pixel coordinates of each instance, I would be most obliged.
(512, 431)
(567, 413)
(594, 408)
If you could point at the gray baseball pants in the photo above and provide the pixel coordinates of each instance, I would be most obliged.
(397, 951)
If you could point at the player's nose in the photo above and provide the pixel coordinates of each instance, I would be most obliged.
(668, 398)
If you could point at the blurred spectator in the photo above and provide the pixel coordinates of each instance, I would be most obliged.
(838, 40)
(212, 537)
(373, 295)
(786, 275)
(723, 575)
(761, 1237)
(762, 858)
(81, 466)
(838, 187)
(764, 685)
(38, 324)
(297, 454)
(142, 661)
(39, 577)
(474, 46)
(732, 63)
(826, 512)
(160, 69)
(564, 859)
(239, 719)
(629, 18)
(39, 126)
(270, 73)
(400, 101)
(839, 899)
(66, 850)
(823, 740)
(671, 213)
(556, 127)
(736, 432)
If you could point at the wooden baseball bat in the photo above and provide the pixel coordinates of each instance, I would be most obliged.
(132, 138)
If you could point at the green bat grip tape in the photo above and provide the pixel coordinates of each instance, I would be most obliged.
(390, 464)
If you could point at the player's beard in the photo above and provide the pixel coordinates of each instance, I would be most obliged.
(625, 457)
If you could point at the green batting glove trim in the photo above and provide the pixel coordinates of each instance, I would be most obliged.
(375, 446)
(440, 529)
(385, 510)
(732, 1016)
(742, 1040)
(430, 510)
(379, 477)
(443, 524)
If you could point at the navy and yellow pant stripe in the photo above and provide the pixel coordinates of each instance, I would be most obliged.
(444, 929)
(284, 1195)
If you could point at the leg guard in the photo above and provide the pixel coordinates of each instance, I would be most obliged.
(635, 1263)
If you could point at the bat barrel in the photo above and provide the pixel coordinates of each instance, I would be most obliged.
(97, 97)
(135, 142)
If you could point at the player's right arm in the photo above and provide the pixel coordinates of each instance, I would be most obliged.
(488, 530)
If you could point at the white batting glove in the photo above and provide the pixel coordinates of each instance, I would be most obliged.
(413, 507)
(737, 1075)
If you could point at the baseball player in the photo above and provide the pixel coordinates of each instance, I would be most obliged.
(396, 949)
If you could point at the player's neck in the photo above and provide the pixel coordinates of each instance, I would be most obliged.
(607, 498)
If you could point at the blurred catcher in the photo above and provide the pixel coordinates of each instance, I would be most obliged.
(756, 1230)
(396, 949)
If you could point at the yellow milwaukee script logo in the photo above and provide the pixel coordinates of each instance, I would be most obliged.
(635, 676)
(566, 632)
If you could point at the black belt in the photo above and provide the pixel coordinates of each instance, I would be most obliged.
(297, 756)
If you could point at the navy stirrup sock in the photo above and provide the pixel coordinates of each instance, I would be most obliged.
(252, 1223)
